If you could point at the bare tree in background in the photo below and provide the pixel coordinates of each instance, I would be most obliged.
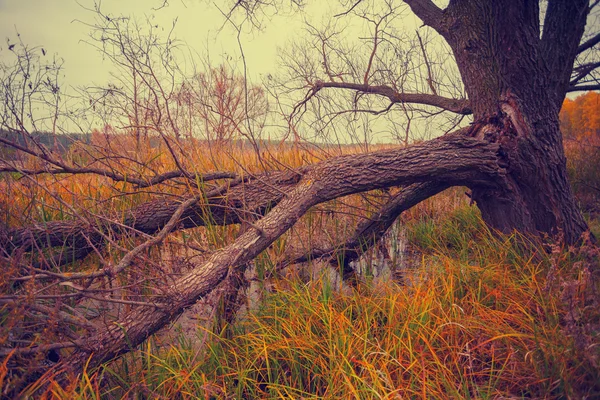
(515, 73)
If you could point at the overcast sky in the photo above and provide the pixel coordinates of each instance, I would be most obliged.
(59, 26)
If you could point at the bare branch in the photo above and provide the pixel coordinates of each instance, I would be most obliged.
(348, 11)
(427, 64)
(583, 88)
(459, 106)
(63, 168)
(588, 44)
(582, 71)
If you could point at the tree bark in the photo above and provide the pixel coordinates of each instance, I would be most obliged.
(254, 197)
(518, 78)
(78, 238)
(453, 160)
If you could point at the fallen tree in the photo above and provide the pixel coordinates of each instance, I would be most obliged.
(511, 157)
(455, 160)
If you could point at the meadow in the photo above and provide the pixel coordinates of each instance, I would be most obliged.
(203, 235)
(464, 312)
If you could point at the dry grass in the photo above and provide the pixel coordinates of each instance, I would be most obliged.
(481, 317)
(583, 166)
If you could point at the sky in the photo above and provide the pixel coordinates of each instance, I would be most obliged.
(59, 26)
(62, 29)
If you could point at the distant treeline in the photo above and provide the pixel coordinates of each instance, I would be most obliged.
(57, 142)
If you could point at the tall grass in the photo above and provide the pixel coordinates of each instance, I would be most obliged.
(481, 318)
(583, 166)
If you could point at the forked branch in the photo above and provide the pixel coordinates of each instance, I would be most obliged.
(371, 230)
(458, 106)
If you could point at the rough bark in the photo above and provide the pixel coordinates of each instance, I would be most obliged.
(78, 238)
(453, 160)
(459, 106)
(258, 194)
(509, 70)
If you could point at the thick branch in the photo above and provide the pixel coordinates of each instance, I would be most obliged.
(448, 160)
(582, 71)
(588, 44)
(459, 106)
(428, 12)
(253, 196)
(563, 28)
(583, 88)
(371, 230)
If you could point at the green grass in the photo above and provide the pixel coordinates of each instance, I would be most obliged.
(485, 317)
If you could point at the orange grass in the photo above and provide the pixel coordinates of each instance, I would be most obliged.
(494, 325)
(481, 317)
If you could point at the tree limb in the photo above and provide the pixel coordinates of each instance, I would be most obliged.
(583, 88)
(582, 71)
(371, 230)
(563, 28)
(588, 44)
(61, 167)
(227, 205)
(459, 106)
(428, 12)
(451, 160)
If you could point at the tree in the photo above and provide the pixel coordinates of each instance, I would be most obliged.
(218, 99)
(516, 72)
(580, 117)
(498, 48)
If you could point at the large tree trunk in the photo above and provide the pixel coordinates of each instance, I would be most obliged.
(518, 79)
(451, 160)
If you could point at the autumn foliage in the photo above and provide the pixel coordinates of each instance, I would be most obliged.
(580, 125)
(580, 118)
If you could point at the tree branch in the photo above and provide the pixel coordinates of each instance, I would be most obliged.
(588, 44)
(582, 71)
(348, 11)
(459, 106)
(428, 12)
(563, 28)
(371, 230)
(61, 167)
(583, 88)
(449, 160)
(226, 205)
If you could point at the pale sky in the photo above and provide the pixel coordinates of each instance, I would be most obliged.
(57, 26)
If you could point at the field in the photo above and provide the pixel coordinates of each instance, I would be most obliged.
(441, 308)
